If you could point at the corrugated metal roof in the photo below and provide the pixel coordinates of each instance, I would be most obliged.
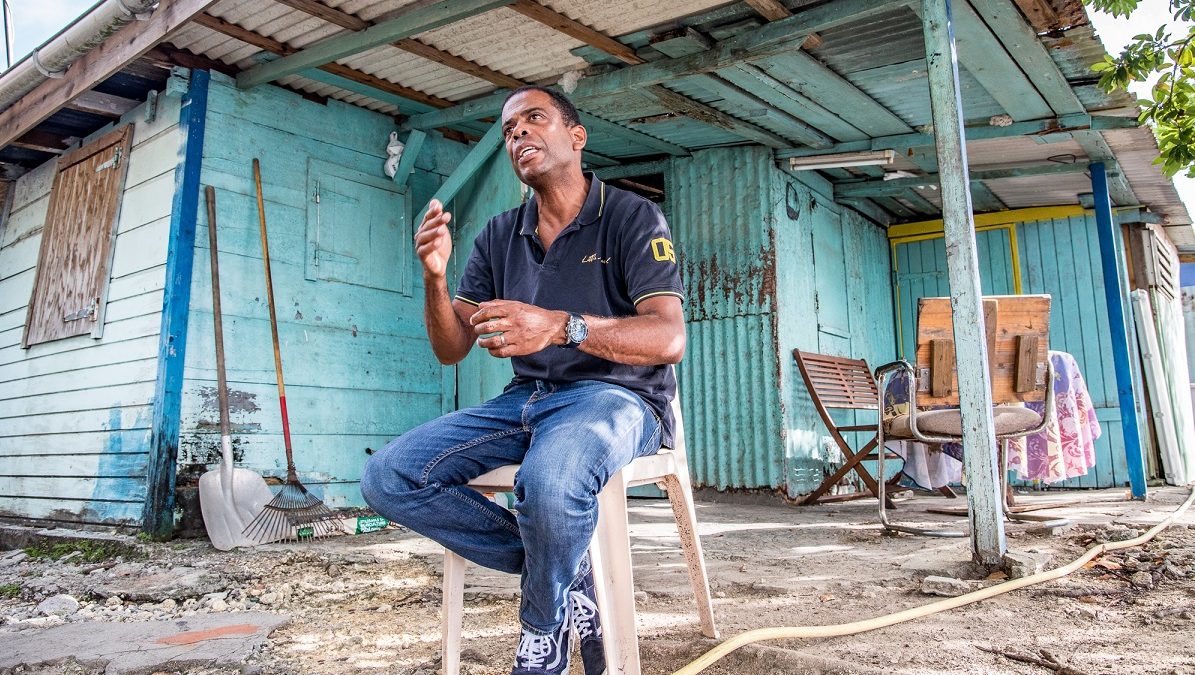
(882, 56)
(1135, 150)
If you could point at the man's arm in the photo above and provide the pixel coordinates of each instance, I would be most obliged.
(447, 320)
(654, 336)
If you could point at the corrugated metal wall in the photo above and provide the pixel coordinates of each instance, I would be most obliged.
(746, 234)
(719, 205)
(75, 413)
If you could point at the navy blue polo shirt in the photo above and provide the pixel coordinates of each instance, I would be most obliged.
(617, 253)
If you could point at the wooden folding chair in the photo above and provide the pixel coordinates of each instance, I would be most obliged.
(839, 383)
(1020, 372)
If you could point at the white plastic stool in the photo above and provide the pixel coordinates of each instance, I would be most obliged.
(610, 555)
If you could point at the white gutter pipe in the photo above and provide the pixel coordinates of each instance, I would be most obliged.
(86, 33)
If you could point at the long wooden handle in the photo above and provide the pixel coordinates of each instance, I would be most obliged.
(265, 259)
(221, 381)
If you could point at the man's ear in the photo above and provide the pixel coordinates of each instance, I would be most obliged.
(580, 136)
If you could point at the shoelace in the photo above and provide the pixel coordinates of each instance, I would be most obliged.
(584, 614)
(534, 650)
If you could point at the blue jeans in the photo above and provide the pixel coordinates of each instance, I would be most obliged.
(570, 439)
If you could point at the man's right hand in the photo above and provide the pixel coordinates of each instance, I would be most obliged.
(433, 241)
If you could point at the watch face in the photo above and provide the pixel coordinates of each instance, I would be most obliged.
(577, 329)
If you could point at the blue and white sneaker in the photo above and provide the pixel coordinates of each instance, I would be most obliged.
(545, 654)
(582, 601)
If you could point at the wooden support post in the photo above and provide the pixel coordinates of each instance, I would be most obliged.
(975, 393)
(157, 519)
(1110, 263)
(469, 165)
(410, 152)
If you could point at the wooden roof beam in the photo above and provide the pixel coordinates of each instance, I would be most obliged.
(411, 45)
(97, 65)
(893, 188)
(903, 142)
(577, 30)
(778, 37)
(666, 97)
(774, 10)
(105, 105)
(44, 141)
(411, 23)
(273, 46)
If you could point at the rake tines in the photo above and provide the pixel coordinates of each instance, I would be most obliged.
(294, 513)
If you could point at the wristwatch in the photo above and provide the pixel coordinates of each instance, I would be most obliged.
(575, 331)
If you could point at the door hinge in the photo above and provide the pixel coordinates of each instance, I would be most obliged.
(112, 163)
(87, 312)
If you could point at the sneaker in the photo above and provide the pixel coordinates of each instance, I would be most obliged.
(582, 600)
(545, 654)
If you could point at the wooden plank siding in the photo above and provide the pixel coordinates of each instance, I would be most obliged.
(1056, 256)
(75, 412)
(357, 365)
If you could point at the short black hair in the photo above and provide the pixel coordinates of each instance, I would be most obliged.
(568, 111)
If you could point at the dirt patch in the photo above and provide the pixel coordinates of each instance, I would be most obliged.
(371, 603)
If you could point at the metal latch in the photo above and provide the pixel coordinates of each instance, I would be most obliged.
(110, 164)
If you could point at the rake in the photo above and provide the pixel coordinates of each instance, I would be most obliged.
(293, 513)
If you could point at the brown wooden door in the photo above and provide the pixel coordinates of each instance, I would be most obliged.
(76, 246)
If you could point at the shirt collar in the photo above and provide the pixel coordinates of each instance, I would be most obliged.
(590, 212)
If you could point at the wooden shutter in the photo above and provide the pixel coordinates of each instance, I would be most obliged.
(76, 245)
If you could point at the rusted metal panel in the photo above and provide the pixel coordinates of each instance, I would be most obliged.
(719, 205)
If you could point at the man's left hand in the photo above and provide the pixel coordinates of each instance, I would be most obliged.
(520, 328)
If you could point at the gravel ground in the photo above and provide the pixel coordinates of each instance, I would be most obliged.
(370, 603)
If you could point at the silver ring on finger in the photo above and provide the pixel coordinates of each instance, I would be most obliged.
(503, 336)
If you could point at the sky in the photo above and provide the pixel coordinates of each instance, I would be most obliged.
(36, 20)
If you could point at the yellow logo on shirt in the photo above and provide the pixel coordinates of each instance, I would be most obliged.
(661, 250)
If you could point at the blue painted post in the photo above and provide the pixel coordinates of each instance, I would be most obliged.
(1106, 227)
(975, 392)
(158, 515)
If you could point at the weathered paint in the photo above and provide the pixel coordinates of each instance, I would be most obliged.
(358, 367)
(747, 235)
(828, 305)
(1058, 256)
(158, 518)
(75, 414)
(1112, 265)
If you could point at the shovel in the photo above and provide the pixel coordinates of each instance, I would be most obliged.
(230, 498)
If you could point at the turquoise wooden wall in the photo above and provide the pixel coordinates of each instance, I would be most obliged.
(834, 290)
(493, 190)
(75, 413)
(762, 257)
(358, 367)
(1062, 257)
(1059, 257)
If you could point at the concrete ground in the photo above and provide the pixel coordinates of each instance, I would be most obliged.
(370, 603)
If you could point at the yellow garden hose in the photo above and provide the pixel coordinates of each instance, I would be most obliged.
(790, 632)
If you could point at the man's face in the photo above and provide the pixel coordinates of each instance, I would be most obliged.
(538, 140)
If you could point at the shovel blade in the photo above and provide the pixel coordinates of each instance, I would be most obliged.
(225, 519)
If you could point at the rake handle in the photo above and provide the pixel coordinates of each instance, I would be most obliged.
(291, 476)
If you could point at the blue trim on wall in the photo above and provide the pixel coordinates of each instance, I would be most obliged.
(1106, 228)
(158, 518)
